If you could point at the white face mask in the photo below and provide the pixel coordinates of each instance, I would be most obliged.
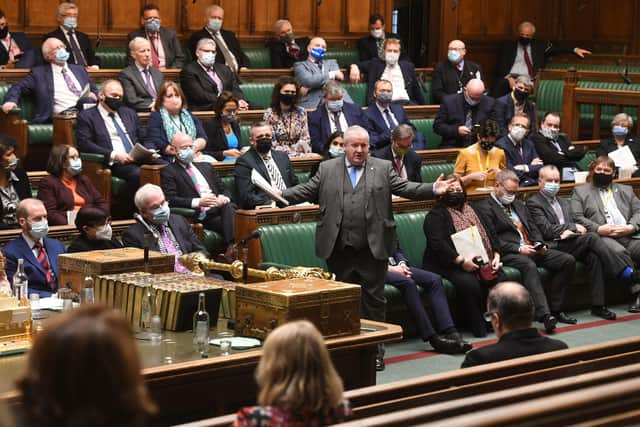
(104, 232)
(377, 33)
(391, 58)
(507, 199)
(517, 133)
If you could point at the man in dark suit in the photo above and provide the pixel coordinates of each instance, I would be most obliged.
(521, 246)
(383, 116)
(229, 51)
(57, 86)
(333, 114)
(204, 79)
(77, 43)
(554, 218)
(556, 149)
(510, 309)
(402, 75)
(460, 113)
(165, 47)
(112, 130)
(198, 186)
(285, 49)
(175, 235)
(274, 166)
(452, 74)
(517, 101)
(40, 253)
(406, 162)
(371, 46)
(355, 232)
(520, 152)
(141, 81)
(526, 56)
(16, 50)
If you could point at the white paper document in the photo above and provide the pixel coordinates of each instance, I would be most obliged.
(141, 154)
(468, 243)
(265, 186)
(623, 157)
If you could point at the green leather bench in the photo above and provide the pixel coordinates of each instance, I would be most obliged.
(258, 93)
(358, 92)
(430, 172)
(344, 57)
(112, 57)
(260, 57)
(426, 127)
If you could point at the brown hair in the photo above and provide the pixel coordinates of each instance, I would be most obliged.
(275, 94)
(455, 177)
(295, 371)
(163, 91)
(598, 161)
(84, 370)
(57, 159)
(223, 98)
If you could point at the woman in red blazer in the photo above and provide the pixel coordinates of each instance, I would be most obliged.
(65, 188)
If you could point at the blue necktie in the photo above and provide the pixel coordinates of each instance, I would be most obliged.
(123, 136)
(391, 123)
(353, 174)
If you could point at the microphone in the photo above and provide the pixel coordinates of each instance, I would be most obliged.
(150, 230)
(255, 234)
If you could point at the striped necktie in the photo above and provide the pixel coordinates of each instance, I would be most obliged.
(43, 260)
(274, 174)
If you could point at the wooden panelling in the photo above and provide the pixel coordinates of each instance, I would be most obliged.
(614, 23)
(358, 12)
(577, 17)
(302, 14)
(195, 15)
(40, 14)
(330, 17)
(122, 17)
(170, 13)
(264, 14)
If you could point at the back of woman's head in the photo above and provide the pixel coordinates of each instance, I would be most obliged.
(296, 372)
(83, 370)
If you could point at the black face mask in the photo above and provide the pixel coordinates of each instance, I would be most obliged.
(486, 145)
(287, 98)
(601, 179)
(454, 199)
(113, 103)
(520, 95)
(4, 32)
(524, 41)
(263, 145)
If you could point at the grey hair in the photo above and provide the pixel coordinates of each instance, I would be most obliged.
(279, 23)
(211, 8)
(547, 168)
(355, 130)
(63, 7)
(205, 41)
(332, 88)
(136, 40)
(143, 193)
(506, 175)
(621, 119)
(402, 131)
(524, 79)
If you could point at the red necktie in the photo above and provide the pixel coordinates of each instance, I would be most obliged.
(527, 60)
(399, 166)
(43, 260)
(154, 50)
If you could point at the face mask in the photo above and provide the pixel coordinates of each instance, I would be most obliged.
(70, 23)
(551, 188)
(75, 166)
(318, 53)
(335, 105)
(104, 233)
(454, 56)
(507, 199)
(208, 59)
(391, 58)
(229, 117)
(263, 145)
(288, 37)
(520, 95)
(384, 97)
(12, 165)
(39, 229)
(4, 32)
(524, 41)
(62, 55)
(550, 133)
(215, 24)
(486, 145)
(620, 131)
(152, 26)
(161, 214)
(186, 155)
(287, 98)
(377, 33)
(336, 151)
(113, 103)
(471, 102)
(517, 133)
(601, 179)
(399, 150)
(454, 199)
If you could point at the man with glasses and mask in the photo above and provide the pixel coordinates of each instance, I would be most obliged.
(520, 152)
(522, 247)
(165, 47)
(39, 252)
(517, 101)
(273, 165)
(175, 235)
(16, 50)
(452, 74)
(77, 43)
(510, 311)
(612, 211)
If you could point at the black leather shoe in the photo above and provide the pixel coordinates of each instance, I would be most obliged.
(462, 344)
(603, 312)
(565, 318)
(550, 323)
(380, 364)
(635, 307)
(445, 345)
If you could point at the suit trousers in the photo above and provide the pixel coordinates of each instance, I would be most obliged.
(560, 265)
(433, 287)
(221, 219)
(632, 246)
(359, 266)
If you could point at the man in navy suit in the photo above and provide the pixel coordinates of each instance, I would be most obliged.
(402, 75)
(40, 253)
(77, 43)
(517, 101)
(15, 48)
(383, 116)
(57, 86)
(112, 130)
(333, 114)
(406, 162)
(459, 114)
(520, 151)
(371, 46)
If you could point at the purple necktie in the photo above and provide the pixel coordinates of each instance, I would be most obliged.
(215, 79)
(150, 87)
(192, 175)
(67, 79)
(171, 249)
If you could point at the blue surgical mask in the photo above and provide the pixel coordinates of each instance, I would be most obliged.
(215, 24)
(336, 151)
(208, 59)
(335, 106)
(186, 155)
(70, 22)
(551, 188)
(152, 26)
(454, 56)
(318, 53)
(39, 229)
(75, 166)
(161, 214)
(620, 131)
(62, 55)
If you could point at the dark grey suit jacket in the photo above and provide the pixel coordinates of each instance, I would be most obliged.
(546, 220)
(310, 75)
(381, 180)
(588, 208)
(200, 89)
(174, 57)
(136, 94)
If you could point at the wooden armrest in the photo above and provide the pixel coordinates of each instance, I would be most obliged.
(63, 126)
(12, 125)
(150, 174)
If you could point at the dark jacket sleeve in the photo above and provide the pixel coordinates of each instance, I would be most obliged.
(86, 136)
(91, 196)
(436, 226)
(537, 213)
(193, 91)
(49, 192)
(441, 124)
(216, 139)
(547, 152)
(248, 194)
(156, 135)
(170, 187)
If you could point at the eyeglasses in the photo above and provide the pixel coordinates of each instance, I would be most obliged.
(488, 316)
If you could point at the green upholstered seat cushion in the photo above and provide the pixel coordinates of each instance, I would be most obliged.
(213, 242)
(431, 172)
(426, 127)
(258, 93)
(344, 57)
(290, 244)
(260, 57)
(583, 164)
(118, 185)
(411, 236)
(549, 96)
(230, 184)
(112, 57)
(40, 134)
(358, 92)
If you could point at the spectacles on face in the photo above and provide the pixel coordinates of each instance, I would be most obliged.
(488, 316)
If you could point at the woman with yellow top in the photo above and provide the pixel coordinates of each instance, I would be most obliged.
(65, 188)
(479, 163)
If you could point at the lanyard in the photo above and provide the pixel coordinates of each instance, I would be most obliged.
(486, 169)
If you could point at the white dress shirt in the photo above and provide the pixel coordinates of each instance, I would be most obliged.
(63, 98)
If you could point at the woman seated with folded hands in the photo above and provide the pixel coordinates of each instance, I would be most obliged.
(65, 190)
(94, 226)
(223, 130)
(14, 184)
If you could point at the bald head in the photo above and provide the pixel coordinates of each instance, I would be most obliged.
(512, 304)
(474, 89)
(317, 42)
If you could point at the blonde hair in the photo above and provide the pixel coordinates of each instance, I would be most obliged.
(296, 372)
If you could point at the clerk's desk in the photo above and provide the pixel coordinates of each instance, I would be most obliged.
(193, 388)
